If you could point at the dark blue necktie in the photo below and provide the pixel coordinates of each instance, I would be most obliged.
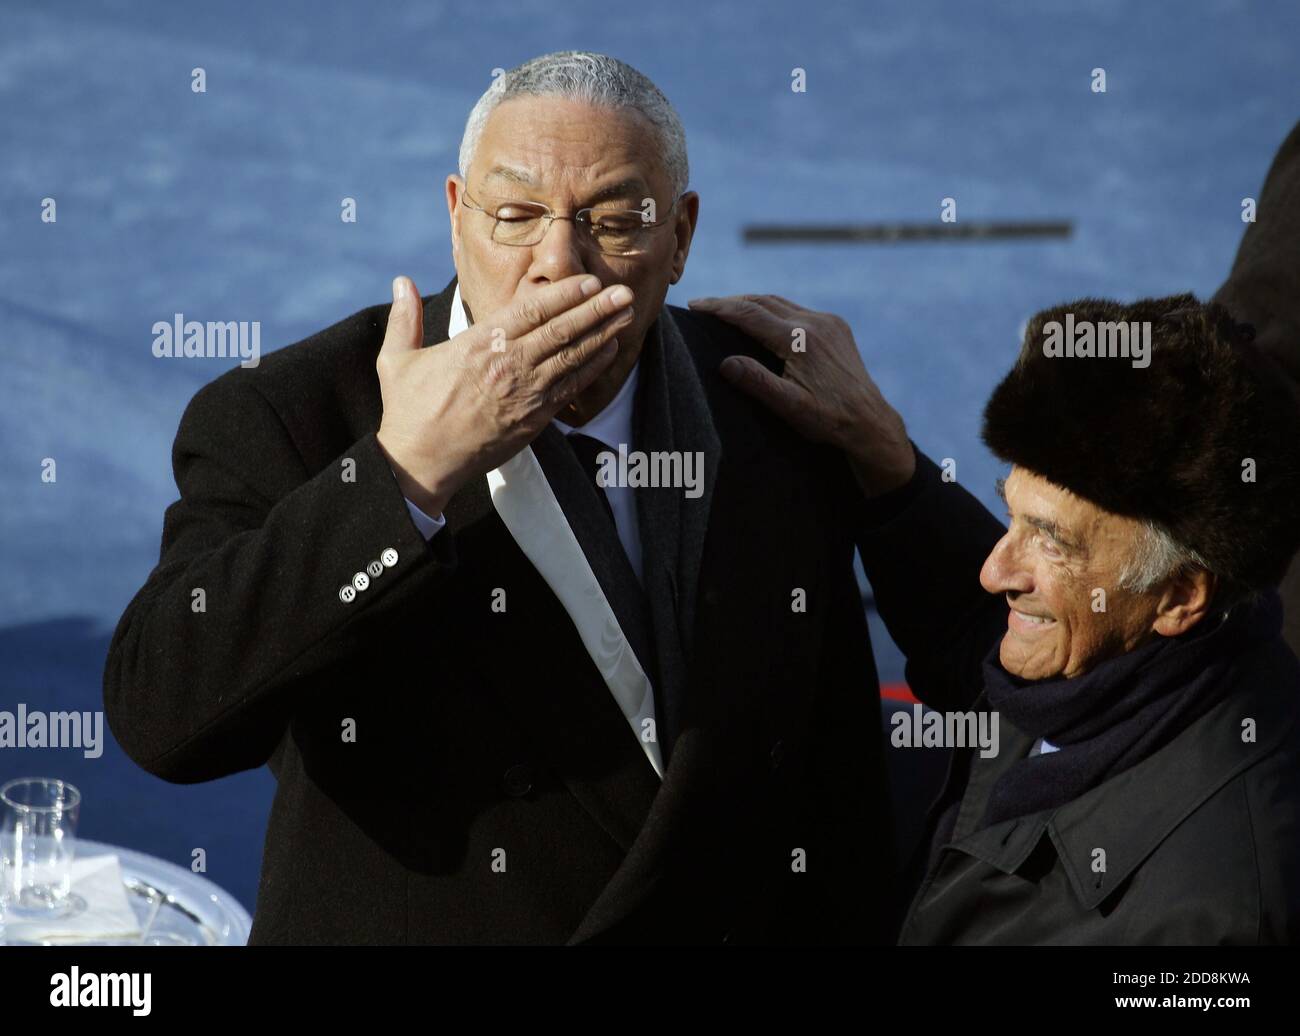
(588, 450)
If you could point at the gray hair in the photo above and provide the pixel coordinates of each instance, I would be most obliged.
(1157, 556)
(596, 79)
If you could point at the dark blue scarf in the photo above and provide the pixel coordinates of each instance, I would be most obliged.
(1119, 712)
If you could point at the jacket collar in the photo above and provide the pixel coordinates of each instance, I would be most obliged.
(437, 315)
(1130, 814)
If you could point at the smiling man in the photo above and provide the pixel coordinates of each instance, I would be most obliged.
(503, 701)
(1055, 572)
(1127, 634)
(1148, 789)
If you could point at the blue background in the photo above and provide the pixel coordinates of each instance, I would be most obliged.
(225, 206)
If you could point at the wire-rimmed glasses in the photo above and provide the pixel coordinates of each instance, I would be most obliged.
(611, 231)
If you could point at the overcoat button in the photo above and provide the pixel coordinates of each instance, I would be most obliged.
(374, 569)
(777, 754)
(518, 780)
(347, 593)
(388, 557)
(360, 581)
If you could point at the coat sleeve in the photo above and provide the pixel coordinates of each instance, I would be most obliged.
(1272, 796)
(1263, 288)
(207, 660)
(922, 548)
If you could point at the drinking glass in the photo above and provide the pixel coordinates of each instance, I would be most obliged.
(38, 832)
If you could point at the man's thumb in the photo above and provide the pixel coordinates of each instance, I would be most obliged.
(405, 319)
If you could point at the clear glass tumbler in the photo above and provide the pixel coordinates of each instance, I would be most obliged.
(38, 832)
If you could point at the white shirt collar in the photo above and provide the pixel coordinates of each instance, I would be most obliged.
(612, 426)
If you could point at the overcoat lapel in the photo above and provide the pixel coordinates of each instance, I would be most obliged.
(547, 678)
(599, 541)
(576, 725)
(671, 414)
(724, 610)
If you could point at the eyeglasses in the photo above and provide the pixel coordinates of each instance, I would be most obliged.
(612, 231)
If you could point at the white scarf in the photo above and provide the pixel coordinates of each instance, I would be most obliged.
(527, 505)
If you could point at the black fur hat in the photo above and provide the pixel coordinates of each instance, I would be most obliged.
(1167, 440)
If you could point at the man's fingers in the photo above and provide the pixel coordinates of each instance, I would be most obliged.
(405, 331)
(525, 314)
(568, 359)
(791, 308)
(611, 307)
(587, 370)
(762, 323)
(785, 398)
(771, 303)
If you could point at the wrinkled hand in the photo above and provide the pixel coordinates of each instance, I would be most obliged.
(825, 392)
(465, 407)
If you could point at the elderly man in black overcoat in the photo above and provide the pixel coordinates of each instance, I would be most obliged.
(547, 631)
(1125, 633)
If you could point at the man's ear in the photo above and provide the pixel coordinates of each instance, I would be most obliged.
(1184, 602)
(685, 232)
(453, 187)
